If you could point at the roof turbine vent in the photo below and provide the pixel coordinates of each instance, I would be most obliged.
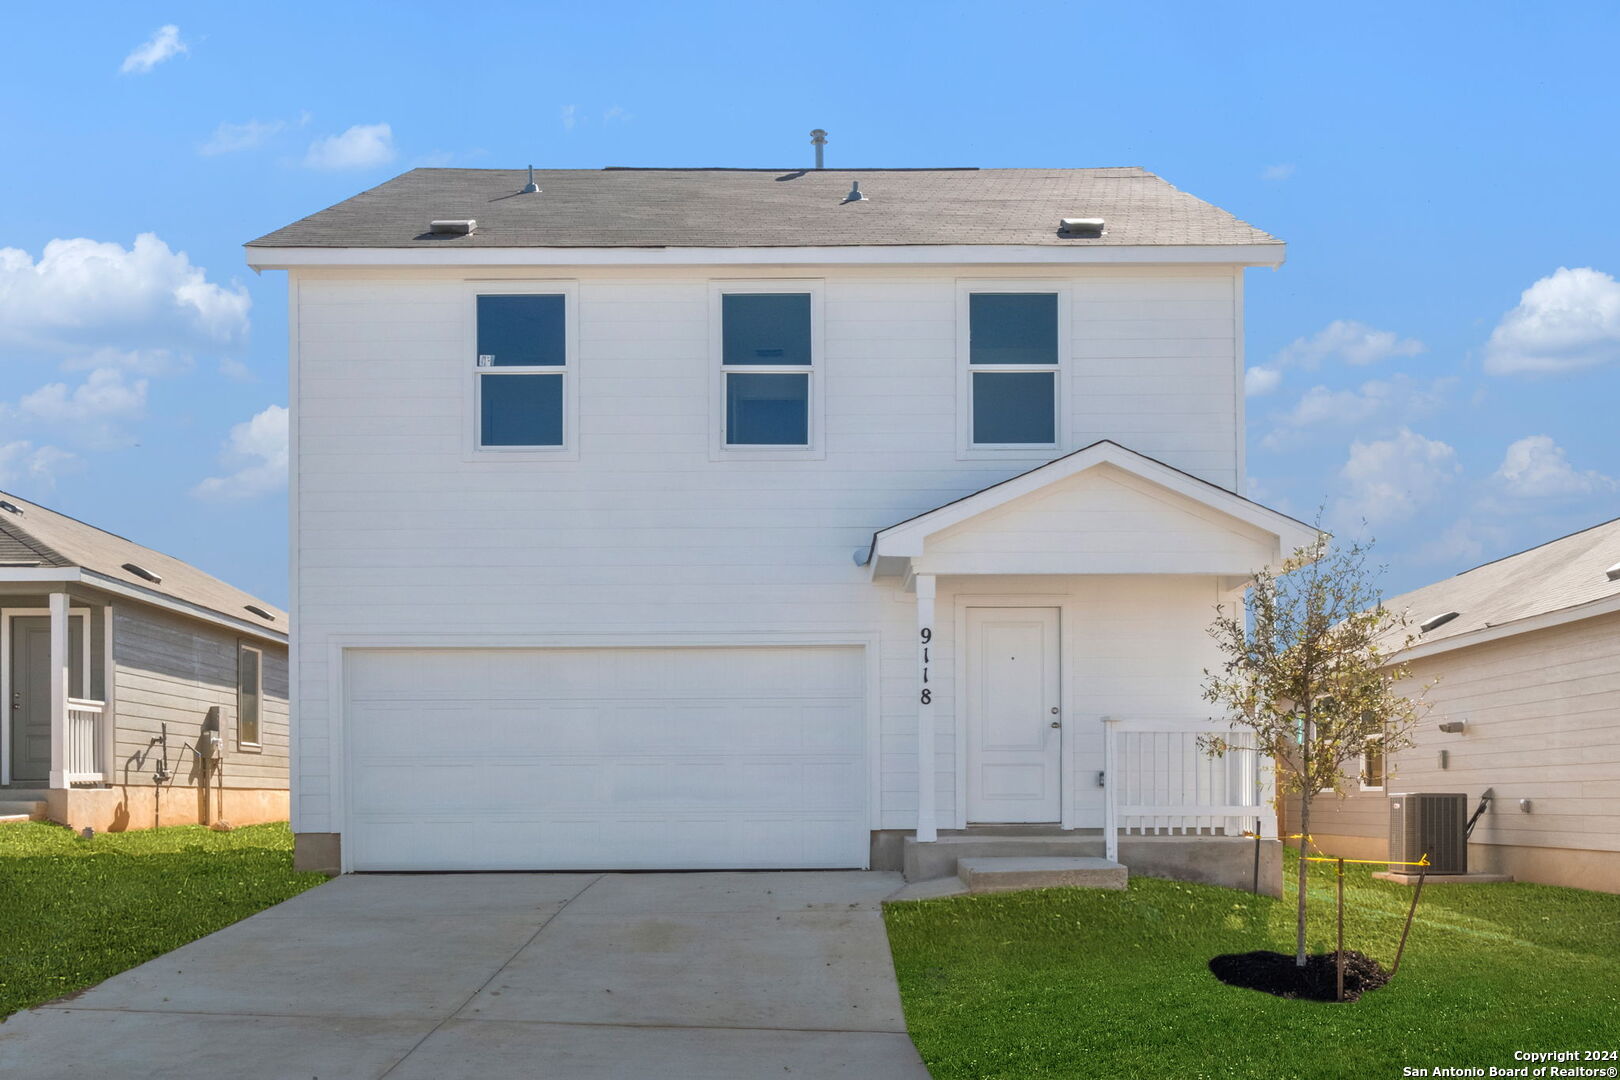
(531, 188)
(854, 193)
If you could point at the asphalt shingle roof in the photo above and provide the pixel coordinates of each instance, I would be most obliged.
(1562, 573)
(56, 540)
(611, 208)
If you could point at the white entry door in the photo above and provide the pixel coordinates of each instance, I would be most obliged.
(1014, 741)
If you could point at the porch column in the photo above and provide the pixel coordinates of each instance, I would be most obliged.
(60, 692)
(926, 777)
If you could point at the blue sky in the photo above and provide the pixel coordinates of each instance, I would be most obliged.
(1440, 355)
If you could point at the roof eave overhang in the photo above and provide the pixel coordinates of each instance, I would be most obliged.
(289, 258)
(75, 575)
(1545, 620)
(892, 549)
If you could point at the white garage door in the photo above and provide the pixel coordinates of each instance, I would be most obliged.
(579, 759)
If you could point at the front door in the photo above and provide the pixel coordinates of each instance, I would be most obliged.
(1013, 712)
(31, 692)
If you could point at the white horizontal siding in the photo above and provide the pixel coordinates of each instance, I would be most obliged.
(398, 532)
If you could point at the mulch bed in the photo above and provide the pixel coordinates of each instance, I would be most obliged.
(1276, 973)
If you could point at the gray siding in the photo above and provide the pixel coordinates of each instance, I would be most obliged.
(171, 670)
(1543, 723)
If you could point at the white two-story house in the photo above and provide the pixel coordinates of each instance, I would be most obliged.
(728, 518)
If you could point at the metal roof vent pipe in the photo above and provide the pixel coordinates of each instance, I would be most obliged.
(531, 188)
(854, 193)
(818, 139)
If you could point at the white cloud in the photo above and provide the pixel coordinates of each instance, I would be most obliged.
(23, 462)
(1463, 542)
(1260, 380)
(616, 114)
(1391, 479)
(570, 116)
(258, 450)
(164, 44)
(1277, 172)
(1536, 467)
(1401, 395)
(363, 146)
(83, 295)
(1350, 341)
(1564, 322)
(104, 395)
(230, 138)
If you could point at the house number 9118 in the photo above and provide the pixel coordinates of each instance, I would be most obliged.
(927, 635)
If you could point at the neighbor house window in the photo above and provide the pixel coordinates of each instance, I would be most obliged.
(767, 360)
(523, 365)
(249, 694)
(1013, 351)
(1372, 768)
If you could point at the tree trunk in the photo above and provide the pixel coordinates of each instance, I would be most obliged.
(1305, 793)
(1304, 831)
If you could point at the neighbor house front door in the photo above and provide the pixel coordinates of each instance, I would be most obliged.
(30, 662)
(1013, 713)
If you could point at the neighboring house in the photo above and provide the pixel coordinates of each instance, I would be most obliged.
(722, 518)
(1524, 654)
(114, 662)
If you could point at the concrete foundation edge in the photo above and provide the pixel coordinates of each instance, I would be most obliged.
(321, 852)
(1574, 868)
(145, 806)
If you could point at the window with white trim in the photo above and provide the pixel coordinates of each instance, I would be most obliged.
(249, 695)
(523, 365)
(767, 362)
(1013, 369)
(1372, 765)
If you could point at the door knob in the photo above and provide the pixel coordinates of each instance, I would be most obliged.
(1057, 723)
(1054, 710)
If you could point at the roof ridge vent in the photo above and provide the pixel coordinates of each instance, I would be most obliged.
(1436, 621)
(143, 573)
(1081, 228)
(854, 193)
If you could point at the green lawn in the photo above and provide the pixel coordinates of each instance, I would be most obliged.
(75, 911)
(1088, 983)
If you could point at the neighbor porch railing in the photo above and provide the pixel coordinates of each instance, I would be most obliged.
(83, 742)
(1159, 780)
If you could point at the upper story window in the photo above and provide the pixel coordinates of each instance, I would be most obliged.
(249, 694)
(523, 370)
(767, 369)
(1014, 369)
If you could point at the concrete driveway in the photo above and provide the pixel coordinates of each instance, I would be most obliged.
(506, 975)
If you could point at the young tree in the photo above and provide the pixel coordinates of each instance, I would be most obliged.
(1308, 673)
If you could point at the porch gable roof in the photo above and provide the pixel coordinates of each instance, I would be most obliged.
(893, 549)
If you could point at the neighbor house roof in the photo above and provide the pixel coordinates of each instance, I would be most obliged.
(754, 208)
(1566, 577)
(34, 538)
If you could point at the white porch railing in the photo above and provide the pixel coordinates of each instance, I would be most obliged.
(83, 743)
(1158, 780)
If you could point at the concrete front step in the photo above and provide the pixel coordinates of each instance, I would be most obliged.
(1009, 874)
(924, 862)
(22, 810)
